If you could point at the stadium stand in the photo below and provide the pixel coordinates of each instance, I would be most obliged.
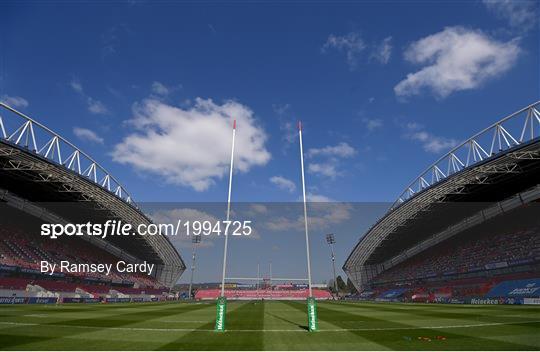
(20, 276)
(22, 250)
(267, 294)
(53, 181)
(13, 283)
(500, 253)
(465, 224)
(486, 252)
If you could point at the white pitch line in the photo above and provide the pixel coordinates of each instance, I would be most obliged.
(185, 321)
(271, 330)
(36, 315)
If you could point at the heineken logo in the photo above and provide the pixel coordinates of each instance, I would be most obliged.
(312, 315)
(220, 315)
(221, 310)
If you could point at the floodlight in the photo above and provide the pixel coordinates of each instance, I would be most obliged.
(330, 239)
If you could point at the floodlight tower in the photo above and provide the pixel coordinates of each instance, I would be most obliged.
(194, 240)
(258, 278)
(270, 264)
(331, 240)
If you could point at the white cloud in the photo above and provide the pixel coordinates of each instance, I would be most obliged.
(87, 135)
(323, 213)
(434, 144)
(383, 51)
(289, 132)
(283, 183)
(171, 216)
(191, 147)
(110, 41)
(281, 109)
(324, 169)
(520, 14)
(111, 38)
(351, 44)
(96, 107)
(286, 125)
(312, 197)
(430, 143)
(93, 105)
(14, 101)
(330, 156)
(159, 88)
(342, 150)
(372, 124)
(76, 86)
(456, 59)
(258, 208)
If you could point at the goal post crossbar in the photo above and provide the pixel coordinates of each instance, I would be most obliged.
(264, 279)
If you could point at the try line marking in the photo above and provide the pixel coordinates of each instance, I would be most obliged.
(271, 330)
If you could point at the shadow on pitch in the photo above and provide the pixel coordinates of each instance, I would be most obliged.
(304, 327)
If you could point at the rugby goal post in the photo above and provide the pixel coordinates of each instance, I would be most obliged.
(221, 308)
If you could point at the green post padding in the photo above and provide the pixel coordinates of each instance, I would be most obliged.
(313, 323)
(221, 310)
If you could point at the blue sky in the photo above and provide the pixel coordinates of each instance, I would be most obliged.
(383, 89)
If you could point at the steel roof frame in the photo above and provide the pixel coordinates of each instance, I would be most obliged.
(471, 152)
(466, 164)
(56, 148)
(79, 174)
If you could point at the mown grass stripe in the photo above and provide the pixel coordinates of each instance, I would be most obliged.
(41, 334)
(241, 316)
(395, 339)
(462, 326)
(268, 325)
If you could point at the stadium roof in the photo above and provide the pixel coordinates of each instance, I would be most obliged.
(494, 165)
(42, 172)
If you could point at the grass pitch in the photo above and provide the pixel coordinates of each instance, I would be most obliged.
(269, 326)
